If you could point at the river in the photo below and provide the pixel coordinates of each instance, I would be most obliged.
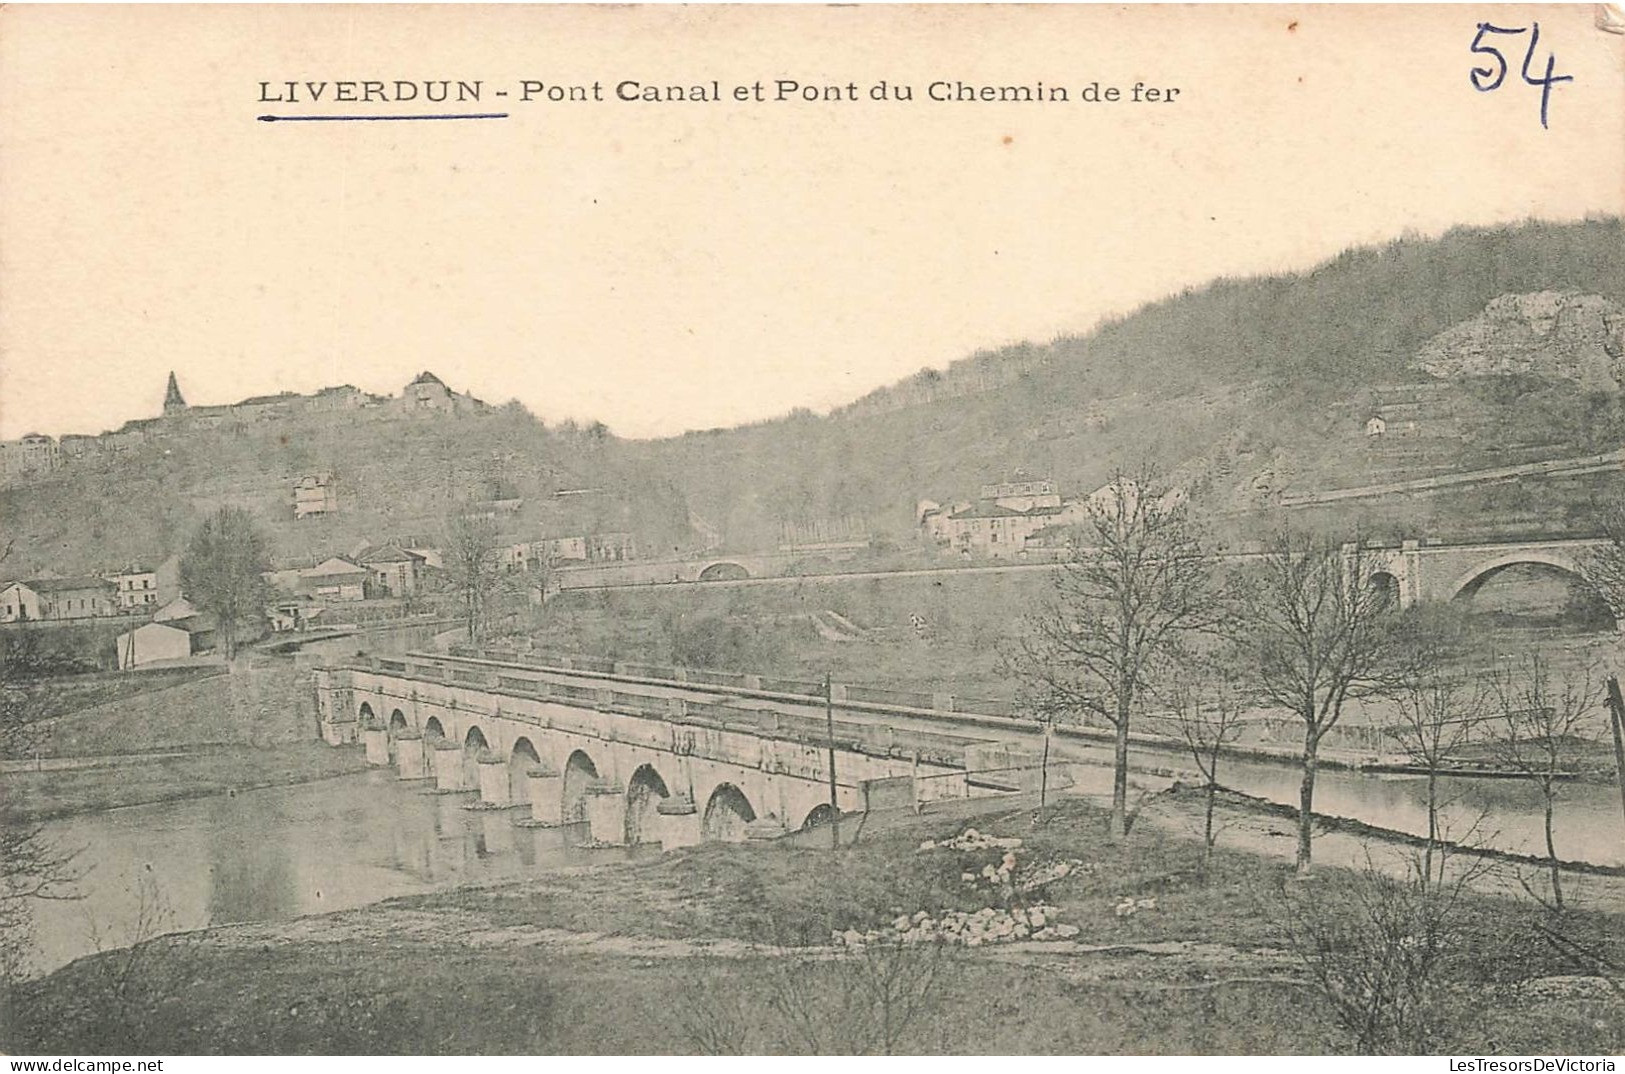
(281, 852)
(345, 842)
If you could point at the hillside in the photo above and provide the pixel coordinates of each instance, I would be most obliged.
(1242, 389)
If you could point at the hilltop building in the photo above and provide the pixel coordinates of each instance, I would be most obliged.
(314, 494)
(174, 402)
(427, 393)
(29, 456)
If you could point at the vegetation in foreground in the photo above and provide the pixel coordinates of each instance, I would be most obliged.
(1224, 953)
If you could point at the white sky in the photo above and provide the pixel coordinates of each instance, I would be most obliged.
(671, 266)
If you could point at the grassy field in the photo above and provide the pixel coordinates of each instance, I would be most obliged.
(728, 948)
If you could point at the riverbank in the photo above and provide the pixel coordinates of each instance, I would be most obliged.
(119, 782)
(216, 731)
(733, 948)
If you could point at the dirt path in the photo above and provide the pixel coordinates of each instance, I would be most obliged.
(1169, 964)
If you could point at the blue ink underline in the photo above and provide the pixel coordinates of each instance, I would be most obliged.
(375, 119)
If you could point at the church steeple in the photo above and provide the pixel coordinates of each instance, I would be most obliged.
(173, 403)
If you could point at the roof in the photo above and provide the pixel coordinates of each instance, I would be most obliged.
(427, 377)
(58, 585)
(179, 608)
(333, 565)
(192, 624)
(257, 400)
(388, 553)
(988, 509)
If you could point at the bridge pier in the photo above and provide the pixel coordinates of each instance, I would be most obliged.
(546, 788)
(448, 766)
(606, 812)
(411, 763)
(376, 740)
(492, 778)
(679, 822)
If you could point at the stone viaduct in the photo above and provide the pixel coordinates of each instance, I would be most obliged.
(628, 762)
(1418, 572)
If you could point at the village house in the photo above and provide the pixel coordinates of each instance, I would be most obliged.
(335, 579)
(566, 549)
(174, 639)
(394, 571)
(57, 599)
(135, 588)
(1000, 523)
(293, 613)
(610, 547)
(179, 608)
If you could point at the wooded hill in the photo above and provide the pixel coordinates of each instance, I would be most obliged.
(1239, 388)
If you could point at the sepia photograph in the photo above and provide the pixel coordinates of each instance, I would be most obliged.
(714, 530)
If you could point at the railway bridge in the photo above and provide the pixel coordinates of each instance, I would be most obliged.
(1420, 572)
(635, 761)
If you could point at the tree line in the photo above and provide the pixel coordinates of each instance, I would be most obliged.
(1144, 619)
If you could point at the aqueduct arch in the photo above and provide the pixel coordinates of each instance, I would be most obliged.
(474, 744)
(727, 812)
(521, 759)
(580, 775)
(644, 792)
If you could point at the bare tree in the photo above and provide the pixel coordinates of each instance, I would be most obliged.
(472, 566)
(1378, 949)
(862, 1001)
(1316, 632)
(1139, 589)
(1541, 715)
(223, 571)
(1207, 708)
(1440, 705)
(1604, 566)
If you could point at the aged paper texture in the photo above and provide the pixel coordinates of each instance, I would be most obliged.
(966, 529)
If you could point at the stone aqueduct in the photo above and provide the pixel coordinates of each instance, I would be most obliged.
(630, 764)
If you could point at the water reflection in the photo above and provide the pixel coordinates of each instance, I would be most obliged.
(1588, 821)
(280, 853)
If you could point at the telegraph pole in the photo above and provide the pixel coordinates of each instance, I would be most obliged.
(1616, 712)
(829, 729)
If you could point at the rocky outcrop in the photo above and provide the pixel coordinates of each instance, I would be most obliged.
(1552, 334)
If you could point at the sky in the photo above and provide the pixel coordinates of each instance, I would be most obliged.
(662, 266)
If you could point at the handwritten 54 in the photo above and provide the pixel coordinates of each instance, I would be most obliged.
(1489, 79)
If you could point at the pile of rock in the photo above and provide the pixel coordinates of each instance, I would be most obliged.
(1127, 905)
(972, 928)
(971, 839)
